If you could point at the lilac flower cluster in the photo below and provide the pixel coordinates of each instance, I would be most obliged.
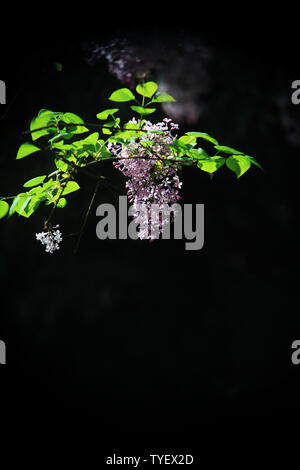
(51, 239)
(150, 179)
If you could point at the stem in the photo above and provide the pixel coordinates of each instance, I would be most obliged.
(90, 124)
(55, 204)
(86, 217)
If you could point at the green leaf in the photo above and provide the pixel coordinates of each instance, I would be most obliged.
(107, 112)
(91, 139)
(104, 153)
(71, 118)
(62, 146)
(38, 191)
(114, 123)
(17, 203)
(239, 164)
(147, 143)
(43, 119)
(61, 165)
(180, 148)
(198, 153)
(188, 139)
(106, 131)
(143, 111)
(34, 181)
(252, 159)
(181, 160)
(26, 149)
(212, 164)
(61, 203)
(204, 136)
(71, 186)
(230, 150)
(163, 98)
(147, 89)
(122, 95)
(4, 208)
(50, 184)
(61, 135)
(25, 204)
(29, 206)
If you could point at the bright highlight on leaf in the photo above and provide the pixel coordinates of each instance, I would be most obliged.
(147, 89)
(26, 149)
(239, 164)
(18, 203)
(4, 208)
(163, 98)
(252, 159)
(143, 111)
(71, 186)
(71, 118)
(107, 112)
(106, 131)
(204, 136)
(122, 95)
(212, 164)
(42, 120)
(225, 149)
(34, 181)
(61, 203)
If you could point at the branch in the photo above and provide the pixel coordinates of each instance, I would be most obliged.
(86, 217)
(90, 124)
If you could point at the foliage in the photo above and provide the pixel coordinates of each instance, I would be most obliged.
(74, 146)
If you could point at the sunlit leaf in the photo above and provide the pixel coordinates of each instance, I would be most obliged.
(43, 119)
(61, 203)
(239, 164)
(212, 164)
(188, 139)
(71, 118)
(230, 150)
(34, 181)
(143, 111)
(26, 149)
(123, 94)
(107, 112)
(71, 186)
(4, 208)
(163, 98)
(147, 89)
(204, 136)
(17, 203)
(252, 159)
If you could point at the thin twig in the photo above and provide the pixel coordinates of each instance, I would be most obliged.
(93, 124)
(86, 217)
(55, 204)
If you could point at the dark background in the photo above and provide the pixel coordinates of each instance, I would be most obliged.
(133, 337)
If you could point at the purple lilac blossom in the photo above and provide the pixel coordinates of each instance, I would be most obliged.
(150, 180)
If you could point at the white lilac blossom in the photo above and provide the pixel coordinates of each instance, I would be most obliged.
(150, 179)
(51, 239)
